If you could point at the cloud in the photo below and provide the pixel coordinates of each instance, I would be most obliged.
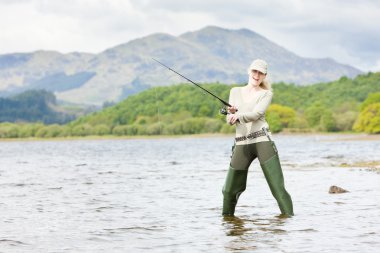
(346, 31)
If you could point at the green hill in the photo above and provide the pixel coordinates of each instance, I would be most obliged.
(31, 106)
(185, 109)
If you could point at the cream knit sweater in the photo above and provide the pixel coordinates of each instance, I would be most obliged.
(251, 113)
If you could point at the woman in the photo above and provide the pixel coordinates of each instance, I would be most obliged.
(253, 141)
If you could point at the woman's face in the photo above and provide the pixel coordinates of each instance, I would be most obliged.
(256, 77)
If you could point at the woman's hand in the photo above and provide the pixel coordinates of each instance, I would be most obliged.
(232, 109)
(232, 119)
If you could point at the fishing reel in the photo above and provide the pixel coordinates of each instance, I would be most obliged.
(223, 111)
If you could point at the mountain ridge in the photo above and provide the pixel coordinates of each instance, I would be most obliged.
(211, 54)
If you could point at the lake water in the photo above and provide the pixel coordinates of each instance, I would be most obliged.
(164, 195)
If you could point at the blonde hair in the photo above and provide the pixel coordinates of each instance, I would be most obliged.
(266, 85)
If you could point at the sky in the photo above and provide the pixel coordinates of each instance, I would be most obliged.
(347, 31)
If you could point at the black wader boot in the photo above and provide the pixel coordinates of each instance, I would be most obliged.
(273, 174)
(235, 184)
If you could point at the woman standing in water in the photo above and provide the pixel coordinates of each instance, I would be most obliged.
(253, 141)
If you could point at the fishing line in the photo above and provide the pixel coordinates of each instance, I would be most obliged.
(221, 100)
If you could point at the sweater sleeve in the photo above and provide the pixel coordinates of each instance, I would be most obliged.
(232, 99)
(259, 109)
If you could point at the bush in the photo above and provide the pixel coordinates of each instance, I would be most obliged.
(369, 119)
(120, 130)
(29, 130)
(327, 122)
(227, 129)
(41, 132)
(212, 126)
(345, 121)
(154, 129)
(299, 122)
(81, 130)
(371, 99)
(173, 129)
(134, 130)
(274, 122)
(9, 130)
(101, 130)
(313, 114)
(286, 114)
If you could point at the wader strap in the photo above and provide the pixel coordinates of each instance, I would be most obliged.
(265, 130)
(253, 135)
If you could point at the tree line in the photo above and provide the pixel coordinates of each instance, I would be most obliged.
(32, 106)
(339, 106)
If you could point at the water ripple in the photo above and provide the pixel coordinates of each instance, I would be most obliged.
(164, 195)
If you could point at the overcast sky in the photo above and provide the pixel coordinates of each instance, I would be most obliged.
(346, 30)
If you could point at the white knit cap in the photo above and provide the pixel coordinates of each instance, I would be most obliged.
(259, 65)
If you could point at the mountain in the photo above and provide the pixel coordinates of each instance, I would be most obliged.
(211, 54)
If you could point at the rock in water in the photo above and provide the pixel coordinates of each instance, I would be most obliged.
(335, 189)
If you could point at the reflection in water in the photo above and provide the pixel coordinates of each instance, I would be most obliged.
(251, 234)
(234, 226)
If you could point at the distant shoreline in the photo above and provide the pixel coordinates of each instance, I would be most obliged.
(338, 137)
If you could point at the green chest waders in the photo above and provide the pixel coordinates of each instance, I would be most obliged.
(236, 180)
(275, 179)
(235, 185)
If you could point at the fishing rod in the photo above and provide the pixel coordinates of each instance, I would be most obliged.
(222, 111)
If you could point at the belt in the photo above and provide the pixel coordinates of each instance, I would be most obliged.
(252, 135)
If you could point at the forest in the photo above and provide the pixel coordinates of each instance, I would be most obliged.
(344, 105)
(33, 106)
